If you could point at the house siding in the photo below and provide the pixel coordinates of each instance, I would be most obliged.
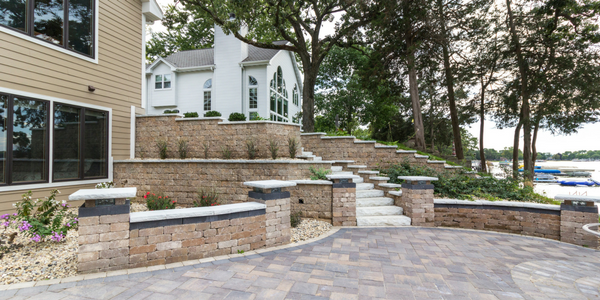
(283, 60)
(32, 68)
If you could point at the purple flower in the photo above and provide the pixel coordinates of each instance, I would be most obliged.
(25, 226)
(6, 223)
(5, 216)
(15, 214)
(57, 237)
(36, 238)
(68, 224)
(76, 220)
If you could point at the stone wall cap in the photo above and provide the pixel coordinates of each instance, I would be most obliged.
(406, 151)
(577, 198)
(269, 184)
(498, 203)
(417, 178)
(436, 161)
(356, 167)
(364, 142)
(200, 119)
(313, 133)
(343, 161)
(390, 185)
(257, 122)
(379, 178)
(94, 194)
(368, 172)
(421, 156)
(161, 115)
(167, 214)
(395, 193)
(309, 181)
(342, 176)
(337, 137)
(223, 161)
(385, 147)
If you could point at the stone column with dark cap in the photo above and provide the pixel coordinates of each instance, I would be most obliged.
(417, 200)
(343, 206)
(272, 193)
(574, 213)
(103, 229)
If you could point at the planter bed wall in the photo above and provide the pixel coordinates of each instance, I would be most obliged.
(215, 131)
(180, 179)
(312, 199)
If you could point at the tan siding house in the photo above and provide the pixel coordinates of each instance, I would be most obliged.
(47, 78)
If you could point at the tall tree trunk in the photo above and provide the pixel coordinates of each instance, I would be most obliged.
(416, 104)
(533, 142)
(515, 165)
(482, 120)
(450, 85)
(525, 108)
(308, 99)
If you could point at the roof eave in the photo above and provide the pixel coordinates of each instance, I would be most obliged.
(255, 63)
(194, 69)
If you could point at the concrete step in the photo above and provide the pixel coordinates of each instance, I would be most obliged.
(390, 210)
(379, 178)
(383, 221)
(390, 185)
(357, 167)
(368, 172)
(364, 186)
(342, 173)
(376, 201)
(358, 180)
(337, 169)
(307, 153)
(369, 194)
(421, 156)
(318, 158)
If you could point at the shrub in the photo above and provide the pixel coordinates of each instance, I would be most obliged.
(295, 219)
(273, 148)
(237, 117)
(105, 185)
(293, 146)
(318, 174)
(225, 152)
(212, 114)
(158, 202)
(252, 149)
(190, 115)
(182, 147)
(256, 117)
(41, 219)
(207, 197)
(205, 147)
(162, 148)
(171, 111)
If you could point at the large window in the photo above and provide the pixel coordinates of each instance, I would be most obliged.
(295, 96)
(253, 97)
(162, 81)
(79, 144)
(207, 95)
(65, 23)
(279, 98)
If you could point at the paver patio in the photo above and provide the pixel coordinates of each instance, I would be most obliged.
(366, 263)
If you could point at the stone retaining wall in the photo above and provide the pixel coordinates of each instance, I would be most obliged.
(312, 199)
(216, 132)
(180, 179)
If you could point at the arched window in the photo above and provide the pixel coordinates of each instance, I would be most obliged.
(253, 97)
(207, 95)
(295, 96)
(279, 98)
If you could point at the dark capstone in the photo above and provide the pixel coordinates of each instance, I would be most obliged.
(195, 220)
(103, 210)
(347, 185)
(579, 208)
(271, 196)
(417, 186)
(506, 208)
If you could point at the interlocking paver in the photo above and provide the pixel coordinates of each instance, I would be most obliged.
(366, 263)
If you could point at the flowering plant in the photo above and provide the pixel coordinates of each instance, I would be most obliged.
(105, 185)
(159, 202)
(207, 197)
(39, 219)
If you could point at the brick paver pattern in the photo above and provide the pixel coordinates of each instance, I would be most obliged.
(367, 263)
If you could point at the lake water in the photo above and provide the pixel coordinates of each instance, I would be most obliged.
(551, 190)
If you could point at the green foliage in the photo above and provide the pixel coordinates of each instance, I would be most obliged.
(225, 152)
(40, 219)
(295, 219)
(158, 202)
(182, 147)
(252, 148)
(362, 134)
(293, 146)
(273, 148)
(462, 186)
(338, 132)
(233, 117)
(240, 251)
(171, 111)
(318, 174)
(105, 185)
(162, 148)
(206, 197)
(212, 113)
(205, 147)
(190, 115)
(256, 117)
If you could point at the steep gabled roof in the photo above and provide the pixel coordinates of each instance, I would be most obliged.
(262, 54)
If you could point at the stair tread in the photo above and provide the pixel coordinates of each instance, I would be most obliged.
(383, 210)
(368, 172)
(369, 194)
(383, 221)
(390, 185)
(364, 186)
(357, 167)
(379, 178)
(375, 201)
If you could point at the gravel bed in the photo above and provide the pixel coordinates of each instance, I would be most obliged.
(30, 261)
(308, 229)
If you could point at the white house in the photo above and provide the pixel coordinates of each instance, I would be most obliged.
(231, 77)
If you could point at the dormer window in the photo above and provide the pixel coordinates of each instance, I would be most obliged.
(162, 81)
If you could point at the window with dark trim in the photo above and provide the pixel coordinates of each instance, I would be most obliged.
(65, 23)
(80, 141)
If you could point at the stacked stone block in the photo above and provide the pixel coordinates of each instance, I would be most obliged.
(176, 243)
(103, 238)
(417, 203)
(573, 217)
(315, 197)
(278, 228)
(344, 204)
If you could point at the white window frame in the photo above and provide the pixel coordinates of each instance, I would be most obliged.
(51, 183)
(162, 83)
(204, 90)
(41, 42)
(251, 86)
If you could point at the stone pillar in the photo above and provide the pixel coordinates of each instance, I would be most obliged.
(269, 192)
(343, 206)
(103, 236)
(417, 200)
(573, 215)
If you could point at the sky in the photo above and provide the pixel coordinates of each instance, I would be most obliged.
(587, 138)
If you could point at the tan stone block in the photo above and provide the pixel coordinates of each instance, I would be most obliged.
(99, 264)
(192, 242)
(118, 244)
(155, 239)
(180, 228)
(168, 245)
(133, 242)
(88, 239)
(151, 231)
(111, 236)
(112, 253)
(157, 255)
(134, 233)
(93, 229)
(119, 261)
(119, 227)
(217, 238)
(121, 218)
(97, 247)
(202, 226)
(138, 258)
(141, 249)
(210, 232)
(89, 221)
(89, 256)
(187, 235)
(219, 224)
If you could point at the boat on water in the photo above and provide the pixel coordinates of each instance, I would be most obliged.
(544, 178)
(546, 171)
(589, 182)
(576, 174)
